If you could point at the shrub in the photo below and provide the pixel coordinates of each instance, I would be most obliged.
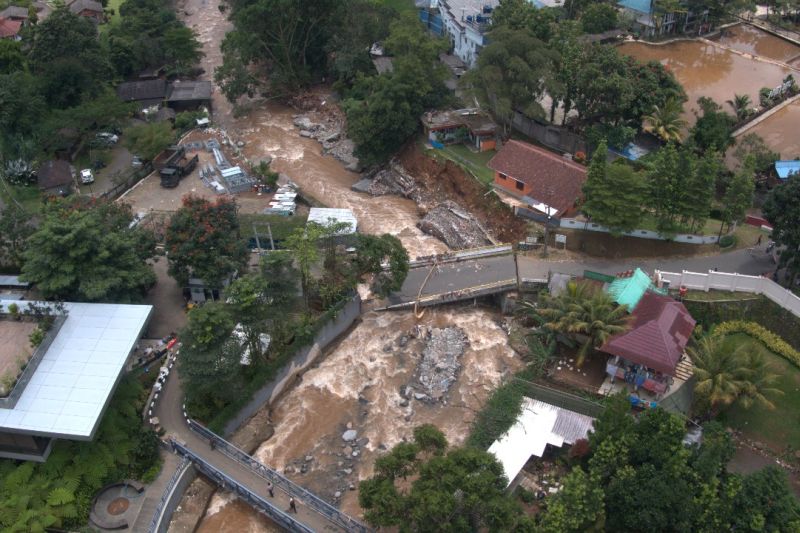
(527, 496)
(772, 341)
(36, 337)
(497, 416)
(727, 241)
(763, 97)
(13, 310)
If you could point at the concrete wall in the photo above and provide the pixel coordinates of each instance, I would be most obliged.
(186, 474)
(301, 360)
(555, 137)
(572, 223)
(726, 281)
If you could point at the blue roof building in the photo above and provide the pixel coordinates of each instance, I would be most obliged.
(786, 168)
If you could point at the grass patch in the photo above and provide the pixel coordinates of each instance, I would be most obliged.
(29, 197)
(473, 163)
(401, 6)
(114, 19)
(281, 226)
(714, 295)
(777, 428)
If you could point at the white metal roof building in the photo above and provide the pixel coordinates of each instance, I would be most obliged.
(326, 216)
(538, 425)
(70, 388)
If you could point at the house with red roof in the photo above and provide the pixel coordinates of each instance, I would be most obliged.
(548, 182)
(9, 29)
(650, 355)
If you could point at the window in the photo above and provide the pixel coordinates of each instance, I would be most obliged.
(502, 176)
(520, 185)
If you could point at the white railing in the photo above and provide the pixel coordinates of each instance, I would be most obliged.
(726, 281)
(572, 223)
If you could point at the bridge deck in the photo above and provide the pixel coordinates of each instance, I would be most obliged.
(172, 420)
(456, 278)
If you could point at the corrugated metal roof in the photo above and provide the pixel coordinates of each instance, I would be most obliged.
(325, 216)
(628, 291)
(538, 425)
(12, 281)
(785, 168)
(642, 6)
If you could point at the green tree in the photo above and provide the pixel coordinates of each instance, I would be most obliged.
(511, 72)
(11, 57)
(584, 311)
(782, 210)
(150, 139)
(210, 362)
(203, 241)
(305, 248)
(753, 145)
(738, 196)
(666, 187)
(741, 106)
(181, 48)
(541, 22)
(766, 503)
(371, 254)
(22, 109)
(725, 374)
(614, 194)
(88, 252)
(599, 17)
(462, 490)
(713, 129)
(665, 121)
(68, 59)
(577, 508)
(15, 228)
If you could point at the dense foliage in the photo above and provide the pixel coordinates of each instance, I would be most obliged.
(15, 228)
(782, 210)
(640, 472)
(58, 492)
(89, 252)
(55, 85)
(460, 489)
(203, 241)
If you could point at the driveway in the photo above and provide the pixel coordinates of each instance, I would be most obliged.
(117, 169)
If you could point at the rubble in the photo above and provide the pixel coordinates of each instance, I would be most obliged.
(440, 363)
(328, 130)
(454, 226)
(390, 180)
(349, 435)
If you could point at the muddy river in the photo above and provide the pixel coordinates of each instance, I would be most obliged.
(705, 69)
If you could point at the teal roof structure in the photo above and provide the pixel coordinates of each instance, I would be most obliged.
(629, 290)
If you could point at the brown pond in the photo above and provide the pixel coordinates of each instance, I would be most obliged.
(705, 69)
(751, 40)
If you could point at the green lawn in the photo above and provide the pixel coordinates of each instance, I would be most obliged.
(113, 19)
(746, 235)
(474, 162)
(400, 6)
(776, 428)
(30, 198)
(281, 226)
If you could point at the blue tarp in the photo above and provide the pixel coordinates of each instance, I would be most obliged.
(642, 6)
(632, 151)
(784, 168)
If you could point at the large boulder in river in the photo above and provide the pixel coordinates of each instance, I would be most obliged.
(454, 226)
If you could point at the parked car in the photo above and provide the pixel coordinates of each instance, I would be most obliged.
(108, 137)
(136, 162)
(87, 176)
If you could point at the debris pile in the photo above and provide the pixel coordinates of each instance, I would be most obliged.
(454, 226)
(440, 363)
(329, 132)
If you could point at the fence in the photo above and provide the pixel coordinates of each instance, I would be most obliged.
(300, 361)
(280, 482)
(555, 137)
(171, 497)
(726, 281)
(220, 478)
(571, 223)
(133, 178)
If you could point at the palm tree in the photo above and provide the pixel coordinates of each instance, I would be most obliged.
(582, 310)
(741, 106)
(665, 122)
(598, 318)
(725, 375)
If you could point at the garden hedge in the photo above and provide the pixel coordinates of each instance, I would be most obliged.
(772, 341)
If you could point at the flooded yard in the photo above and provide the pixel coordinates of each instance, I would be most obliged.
(781, 131)
(750, 40)
(706, 69)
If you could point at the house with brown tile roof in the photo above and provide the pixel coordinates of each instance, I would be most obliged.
(544, 180)
(55, 177)
(88, 9)
(9, 29)
(17, 13)
(650, 354)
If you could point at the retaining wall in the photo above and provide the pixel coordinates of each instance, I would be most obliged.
(302, 359)
(571, 223)
(185, 475)
(726, 281)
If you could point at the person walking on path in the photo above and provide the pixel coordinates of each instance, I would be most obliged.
(292, 505)
(759, 240)
(269, 489)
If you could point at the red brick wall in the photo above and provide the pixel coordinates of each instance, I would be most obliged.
(510, 184)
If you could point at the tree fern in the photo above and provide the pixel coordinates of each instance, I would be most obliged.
(60, 496)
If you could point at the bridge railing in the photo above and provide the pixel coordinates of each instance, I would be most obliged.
(165, 495)
(280, 482)
(218, 476)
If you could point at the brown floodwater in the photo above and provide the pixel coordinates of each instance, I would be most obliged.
(781, 131)
(752, 40)
(311, 418)
(705, 69)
